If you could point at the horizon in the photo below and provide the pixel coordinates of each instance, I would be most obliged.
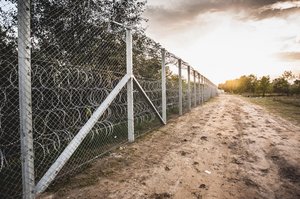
(225, 40)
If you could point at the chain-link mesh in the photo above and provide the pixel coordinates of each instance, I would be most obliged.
(10, 100)
(172, 85)
(76, 62)
(185, 91)
(147, 70)
(70, 60)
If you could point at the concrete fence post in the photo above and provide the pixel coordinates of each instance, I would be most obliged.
(163, 85)
(25, 99)
(130, 112)
(205, 89)
(179, 87)
(189, 88)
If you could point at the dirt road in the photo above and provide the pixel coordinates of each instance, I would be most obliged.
(227, 148)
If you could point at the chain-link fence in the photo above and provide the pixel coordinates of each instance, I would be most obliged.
(75, 85)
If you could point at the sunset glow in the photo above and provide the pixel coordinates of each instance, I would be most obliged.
(226, 40)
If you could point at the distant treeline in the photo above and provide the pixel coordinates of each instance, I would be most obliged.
(287, 84)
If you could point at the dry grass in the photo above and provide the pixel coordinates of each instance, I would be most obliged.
(286, 107)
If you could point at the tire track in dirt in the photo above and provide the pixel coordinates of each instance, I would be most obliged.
(227, 148)
(261, 135)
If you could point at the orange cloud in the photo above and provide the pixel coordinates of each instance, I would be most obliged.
(288, 56)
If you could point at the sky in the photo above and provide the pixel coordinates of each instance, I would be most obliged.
(224, 39)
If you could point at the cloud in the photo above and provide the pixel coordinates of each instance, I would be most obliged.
(272, 12)
(288, 56)
(181, 10)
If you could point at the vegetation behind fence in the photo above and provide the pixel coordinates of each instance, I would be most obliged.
(287, 84)
(62, 63)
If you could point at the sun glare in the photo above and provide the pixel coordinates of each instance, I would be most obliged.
(229, 48)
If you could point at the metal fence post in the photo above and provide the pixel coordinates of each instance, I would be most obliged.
(129, 85)
(195, 89)
(163, 85)
(189, 88)
(180, 87)
(25, 102)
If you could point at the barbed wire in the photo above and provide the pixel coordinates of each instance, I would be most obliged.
(76, 62)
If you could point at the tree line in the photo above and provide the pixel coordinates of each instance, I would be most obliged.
(81, 33)
(286, 84)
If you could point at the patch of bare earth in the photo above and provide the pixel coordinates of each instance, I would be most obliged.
(227, 148)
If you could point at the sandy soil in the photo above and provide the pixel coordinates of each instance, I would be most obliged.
(227, 148)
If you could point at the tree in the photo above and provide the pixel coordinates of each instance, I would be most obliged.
(8, 45)
(244, 84)
(288, 75)
(69, 32)
(281, 85)
(250, 83)
(295, 88)
(252, 79)
(264, 84)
